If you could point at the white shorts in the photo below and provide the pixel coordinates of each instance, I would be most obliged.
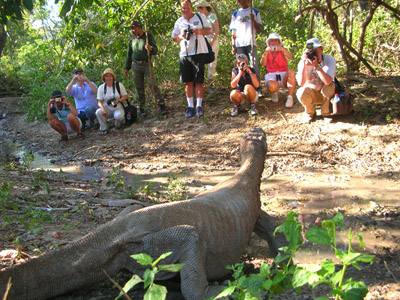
(275, 76)
(69, 129)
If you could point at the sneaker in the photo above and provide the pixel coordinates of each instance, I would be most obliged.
(103, 132)
(328, 119)
(163, 109)
(289, 101)
(235, 111)
(275, 97)
(259, 93)
(142, 113)
(199, 112)
(253, 110)
(189, 112)
(3, 114)
(306, 118)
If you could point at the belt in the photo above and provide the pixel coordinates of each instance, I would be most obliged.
(141, 62)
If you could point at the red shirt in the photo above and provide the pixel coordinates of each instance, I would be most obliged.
(277, 64)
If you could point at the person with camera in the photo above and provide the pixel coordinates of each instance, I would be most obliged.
(84, 92)
(245, 23)
(66, 120)
(245, 82)
(189, 31)
(275, 60)
(204, 7)
(110, 96)
(137, 59)
(315, 74)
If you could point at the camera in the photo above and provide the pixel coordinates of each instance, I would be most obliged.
(242, 66)
(274, 48)
(58, 99)
(80, 77)
(311, 55)
(112, 102)
(188, 33)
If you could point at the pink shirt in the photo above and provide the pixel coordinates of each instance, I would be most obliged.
(277, 64)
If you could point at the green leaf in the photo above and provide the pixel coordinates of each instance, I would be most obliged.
(338, 219)
(226, 292)
(302, 277)
(28, 4)
(130, 284)
(278, 278)
(156, 292)
(352, 290)
(148, 277)
(171, 268)
(143, 259)
(267, 284)
(319, 236)
(162, 256)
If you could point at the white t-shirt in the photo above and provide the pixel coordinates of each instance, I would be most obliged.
(241, 23)
(194, 23)
(110, 94)
(328, 65)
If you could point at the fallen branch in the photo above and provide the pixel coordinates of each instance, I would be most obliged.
(76, 154)
(284, 153)
(117, 285)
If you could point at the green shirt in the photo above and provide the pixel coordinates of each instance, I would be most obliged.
(211, 18)
(137, 51)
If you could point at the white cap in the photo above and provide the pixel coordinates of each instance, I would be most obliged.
(315, 42)
(274, 36)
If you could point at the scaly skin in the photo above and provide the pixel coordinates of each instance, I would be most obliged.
(206, 233)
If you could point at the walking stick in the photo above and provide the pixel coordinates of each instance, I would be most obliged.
(252, 35)
(151, 74)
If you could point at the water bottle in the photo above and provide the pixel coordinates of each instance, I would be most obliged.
(128, 117)
(336, 98)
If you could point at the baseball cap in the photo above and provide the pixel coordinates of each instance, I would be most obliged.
(203, 4)
(242, 56)
(56, 93)
(78, 70)
(136, 23)
(315, 42)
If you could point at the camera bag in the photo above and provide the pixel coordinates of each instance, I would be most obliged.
(343, 104)
(130, 109)
(210, 56)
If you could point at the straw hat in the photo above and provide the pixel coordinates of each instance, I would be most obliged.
(108, 71)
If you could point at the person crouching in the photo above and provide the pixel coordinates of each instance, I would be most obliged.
(245, 83)
(66, 120)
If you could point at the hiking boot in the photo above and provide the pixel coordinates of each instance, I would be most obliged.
(199, 112)
(253, 110)
(235, 111)
(189, 112)
(289, 101)
(163, 109)
(275, 97)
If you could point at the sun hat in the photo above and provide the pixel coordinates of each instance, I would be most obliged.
(78, 70)
(108, 71)
(203, 4)
(274, 36)
(242, 56)
(315, 42)
(56, 94)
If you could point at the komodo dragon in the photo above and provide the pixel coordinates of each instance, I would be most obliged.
(206, 233)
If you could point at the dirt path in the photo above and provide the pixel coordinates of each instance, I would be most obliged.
(351, 165)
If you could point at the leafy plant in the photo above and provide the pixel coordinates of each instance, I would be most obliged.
(116, 178)
(154, 291)
(176, 189)
(276, 279)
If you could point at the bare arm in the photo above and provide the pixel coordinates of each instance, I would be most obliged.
(216, 32)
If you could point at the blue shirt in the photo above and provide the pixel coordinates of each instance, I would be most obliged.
(83, 96)
(62, 113)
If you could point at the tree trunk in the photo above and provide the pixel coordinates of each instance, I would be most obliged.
(3, 38)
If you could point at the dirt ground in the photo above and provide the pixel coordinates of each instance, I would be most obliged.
(351, 165)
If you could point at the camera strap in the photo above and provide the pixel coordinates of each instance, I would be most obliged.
(118, 88)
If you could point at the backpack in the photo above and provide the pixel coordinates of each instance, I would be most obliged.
(342, 102)
(130, 109)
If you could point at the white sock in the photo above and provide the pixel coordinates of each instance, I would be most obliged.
(199, 101)
(190, 101)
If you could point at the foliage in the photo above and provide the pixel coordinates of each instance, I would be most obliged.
(154, 291)
(176, 189)
(287, 275)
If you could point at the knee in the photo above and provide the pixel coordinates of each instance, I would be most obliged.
(328, 90)
(98, 113)
(71, 118)
(250, 93)
(91, 111)
(272, 86)
(236, 97)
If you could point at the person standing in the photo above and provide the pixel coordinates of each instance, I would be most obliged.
(137, 59)
(315, 74)
(63, 116)
(245, 23)
(205, 8)
(245, 82)
(84, 92)
(189, 33)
